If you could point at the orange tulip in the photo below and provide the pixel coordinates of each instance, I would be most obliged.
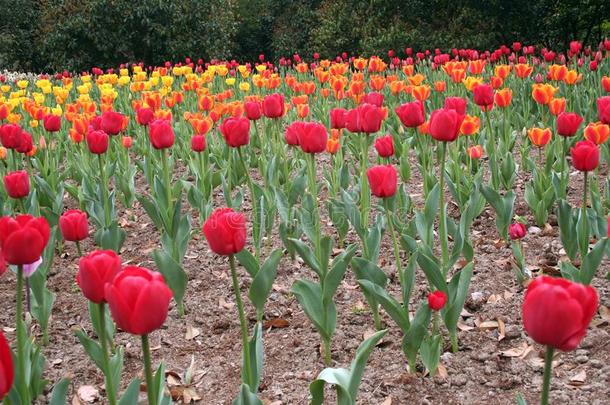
(356, 87)
(4, 111)
(440, 86)
(539, 136)
(2, 153)
(424, 128)
(572, 77)
(606, 83)
(417, 79)
(475, 152)
(299, 100)
(557, 106)
(597, 132)
(376, 64)
(325, 93)
(470, 125)
(558, 72)
(476, 67)
(302, 67)
(332, 146)
(421, 93)
(457, 75)
(496, 82)
(302, 110)
(377, 82)
(336, 133)
(360, 63)
(201, 126)
(502, 71)
(339, 69)
(543, 93)
(408, 70)
(322, 75)
(396, 87)
(503, 97)
(523, 70)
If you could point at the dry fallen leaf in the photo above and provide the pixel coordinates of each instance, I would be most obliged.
(579, 378)
(604, 312)
(88, 393)
(276, 323)
(487, 324)
(387, 401)
(191, 332)
(501, 330)
(442, 371)
(463, 327)
(520, 351)
(224, 304)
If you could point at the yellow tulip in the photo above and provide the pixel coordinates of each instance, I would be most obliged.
(261, 68)
(244, 86)
(230, 81)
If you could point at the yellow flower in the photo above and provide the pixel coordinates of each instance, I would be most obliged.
(83, 89)
(261, 68)
(38, 97)
(124, 72)
(57, 111)
(22, 84)
(124, 80)
(167, 81)
(34, 123)
(137, 69)
(230, 81)
(470, 82)
(244, 86)
(5, 88)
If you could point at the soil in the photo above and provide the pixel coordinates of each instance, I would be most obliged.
(490, 367)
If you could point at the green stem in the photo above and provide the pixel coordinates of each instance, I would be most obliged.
(492, 153)
(546, 382)
(564, 168)
(585, 242)
(454, 342)
(167, 179)
(152, 396)
(386, 204)
(247, 372)
(327, 352)
(24, 389)
(313, 189)
(442, 227)
(110, 391)
(364, 186)
(255, 223)
(78, 249)
(104, 186)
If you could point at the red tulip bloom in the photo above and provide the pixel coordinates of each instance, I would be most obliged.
(198, 143)
(365, 118)
(445, 124)
(517, 231)
(74, 226)
(382, 180)
(557, 312)
(10, 136)
(17, 184)
(7, 372)
(585, 156)
(273, 106)
(385, 146)
(253, 110)
(112, 122)
(437, 300)
(138, 299)
(312, 137)
(161, 134)
(27, 144)
(456, 103)
(23, 238)
(225, 231)
(291, 135)
(51, 123)
(411, 114)
(236, 131)
(568, 123)
(144, 116)
(95, 271)
(337, 118)
(483, 95)
(603, 109)
(97, 142)
(374, 98)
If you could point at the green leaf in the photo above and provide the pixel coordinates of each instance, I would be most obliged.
(309, 295)
(391, 306)
(335, 275)
(246, 397)
(263, 281)
(130, 396)
(246, 259)
(173, 273)
(92, 348)
(458, 290)
(307, 255)
(411, 341)
(256, 358)
(592, 261)
(60, 392)
(432, 270)
(430, 352)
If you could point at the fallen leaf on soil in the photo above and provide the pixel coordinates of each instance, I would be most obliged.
(463, 327)
(520, 351)
(605, 313)
(88, 393)
(501, 330)
(8, 330)
(465, 314)
(442, 371)
(224, 304)
(486, 324)
(498, 243)
(280, 288)
(276, 323)
(579, 379)
(191, 332)
(494, 298)
(548, 230)
(173, 378)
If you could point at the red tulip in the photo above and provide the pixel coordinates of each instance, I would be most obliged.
(603, 109)
(291, 135)
(517, 231)
(456, 103)
(483, 95)
(27, 144)
(17, 184)
(437, 300)
(225, 231)
(568, 123)
(138, 299)
(253, 110)
(74, 226)
(273, 106)
(97, 142)
(557, 312)
(7, 372)
(382, 180)
(312, 137)
(236, 131)
(51, 123)
(198, 143)
(112, 122)
(144, 116)
(445, 124)
(127, 142)
(95, 271)
(585, 156)
(337, 118)
(161, 134)
(23, 238)
(10, 136)
(385, 146)
(411, 114)
(365, 118)
(374, 98)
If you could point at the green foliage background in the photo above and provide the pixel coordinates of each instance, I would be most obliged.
(47, 35)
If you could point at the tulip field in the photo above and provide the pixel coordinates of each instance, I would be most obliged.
(416, 227)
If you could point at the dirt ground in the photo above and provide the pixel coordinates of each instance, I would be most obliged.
(496, 361)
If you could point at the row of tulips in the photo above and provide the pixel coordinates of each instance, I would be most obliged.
(271, 155)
